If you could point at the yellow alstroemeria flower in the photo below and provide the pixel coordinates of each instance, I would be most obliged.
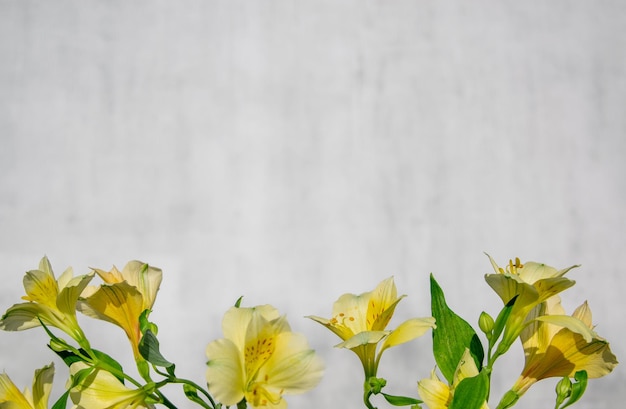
(123, 298)
(361, 322)
(12, 398)
(101, 390)
(556, 345)
(533, 283)
(50, 300)
(438, 395)
(260, 359)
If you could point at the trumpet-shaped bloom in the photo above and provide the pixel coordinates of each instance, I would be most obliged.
(560, 348)
(437, 394)
(50, 300)
(145, 278)
(12, 398)
(260, 359)
(361, 322)
(532, 283)
(101, 390)
(123, 298)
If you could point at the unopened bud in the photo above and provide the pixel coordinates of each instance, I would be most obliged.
(376, 384)
(563, 390)
(485, 322)
(508, 400)
(58, 345)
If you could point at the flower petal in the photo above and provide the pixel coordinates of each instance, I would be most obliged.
(363, 338)
(10, 395)
(225, 374)
(532, 271)
(569, 353)
(120, 304)
(100, 389)
(583, 313)
(340, 330)
(42, 386)
(68, 296)
(294, 367)
(236, 321)
(41, 287)
(381, 305)
(350, 312)
(407, 331)
(434, 393)
(23, 316)
(146, 278)
(465, 369)
(571, 323)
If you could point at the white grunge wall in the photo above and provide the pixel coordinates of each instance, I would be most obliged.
(294, 151)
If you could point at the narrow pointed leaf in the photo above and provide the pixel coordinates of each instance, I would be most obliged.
(61, 403)
(149, 349)
(401, 400)
(578, 388)
(452, 335)
(110, 362)
(500, 323)
(238, 302)
(68, 357)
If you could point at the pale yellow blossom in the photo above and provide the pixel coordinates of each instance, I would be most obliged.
(260, 359)
(361, 322)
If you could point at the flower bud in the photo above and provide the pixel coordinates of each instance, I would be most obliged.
(563, 390)
(375, 385)
(485, 322)
(508, 400)
(58, 345)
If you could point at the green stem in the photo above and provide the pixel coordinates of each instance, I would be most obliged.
(171, 379)
(366, 397)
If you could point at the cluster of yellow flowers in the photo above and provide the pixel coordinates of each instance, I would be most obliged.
(260, 359)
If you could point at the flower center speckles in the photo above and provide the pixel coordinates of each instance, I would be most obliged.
(372, 314)
(257, 352)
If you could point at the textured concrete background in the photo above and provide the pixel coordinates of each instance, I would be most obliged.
(293, 151)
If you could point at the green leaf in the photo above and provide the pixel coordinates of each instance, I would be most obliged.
(578, 388)
(68, 357)
(61, 403)
(238, 302)
(110, 362)
(401, 400)
(149, 349)
(503, 316)
(471, 393)
(452, 335)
